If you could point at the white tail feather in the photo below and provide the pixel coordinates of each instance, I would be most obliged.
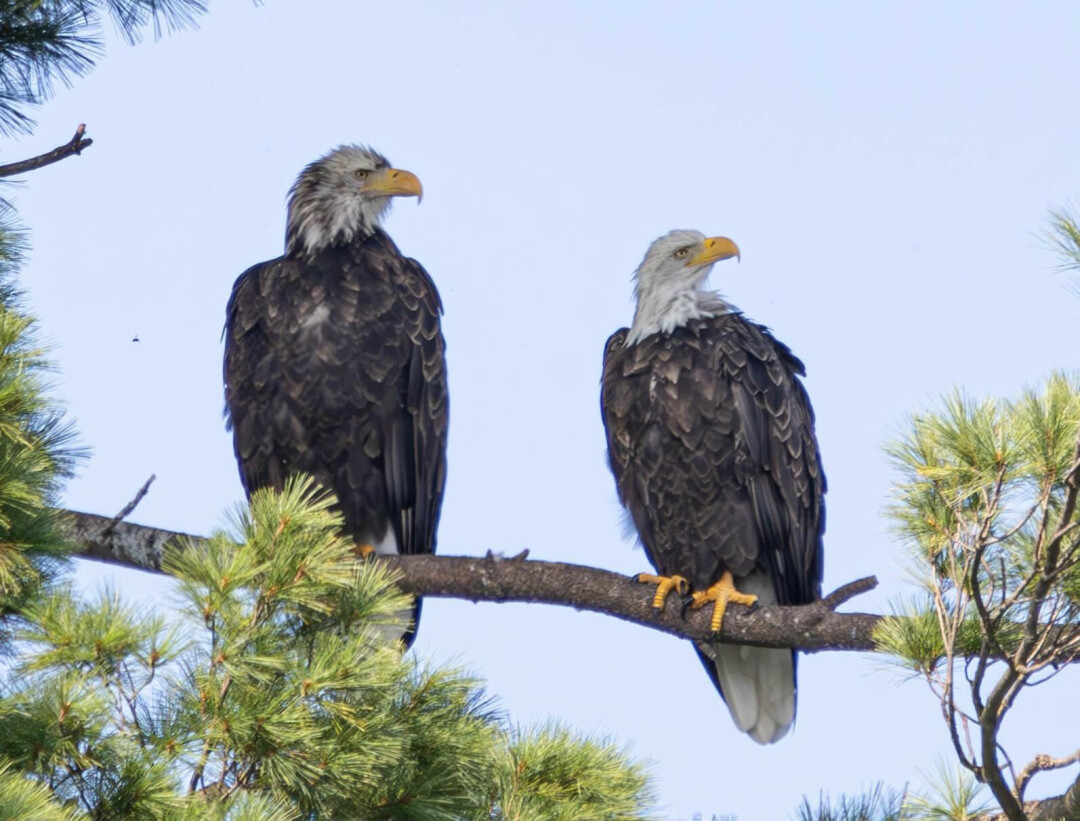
(758, 683)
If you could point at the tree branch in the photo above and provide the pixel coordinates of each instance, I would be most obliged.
(74, 146)
(810, 628)
(1064, 807)
(1043, 763)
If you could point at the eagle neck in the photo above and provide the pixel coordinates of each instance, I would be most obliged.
(316, 223)
(660, 312)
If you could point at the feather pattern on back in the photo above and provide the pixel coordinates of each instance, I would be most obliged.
(335, 366)
(711, 439)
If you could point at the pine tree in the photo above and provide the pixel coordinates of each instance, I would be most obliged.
(282, 692)
(987, 503)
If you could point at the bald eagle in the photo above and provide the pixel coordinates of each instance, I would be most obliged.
(711, 439)
(335, 363)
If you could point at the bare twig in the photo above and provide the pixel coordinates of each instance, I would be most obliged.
(74, 146)
(129, 508)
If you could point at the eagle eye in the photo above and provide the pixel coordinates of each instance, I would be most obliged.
(682, 253)
(361, 173)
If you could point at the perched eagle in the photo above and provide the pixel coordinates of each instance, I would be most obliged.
(334, 359)
(711, 439)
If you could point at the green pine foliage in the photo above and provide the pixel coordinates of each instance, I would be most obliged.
(296, 687)
(280, 693)
(36, 454)
(22, 798)
(987, 503)
(1063, 237)
(47, 41)
(981, 494)
(952, 794)
(551, 772)
(37, 450)
(876, 804)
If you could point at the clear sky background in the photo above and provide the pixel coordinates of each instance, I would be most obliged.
(886, 171)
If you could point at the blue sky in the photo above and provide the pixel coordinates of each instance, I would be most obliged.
(886, 170)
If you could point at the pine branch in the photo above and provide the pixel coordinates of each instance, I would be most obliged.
(74, 146)
(810, 628)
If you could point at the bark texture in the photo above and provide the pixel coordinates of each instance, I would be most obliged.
(809, 627)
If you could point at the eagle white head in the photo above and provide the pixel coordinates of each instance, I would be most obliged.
(343, 195)
(668, 282)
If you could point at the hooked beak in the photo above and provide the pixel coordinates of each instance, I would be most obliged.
(714, 249)
(395, 182)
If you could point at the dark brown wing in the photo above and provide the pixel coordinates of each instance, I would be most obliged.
(710, 437)
(416, 457)
(336, 367)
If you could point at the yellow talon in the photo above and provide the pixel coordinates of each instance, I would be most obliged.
(664, 585)
(365, 550)
(722, 592)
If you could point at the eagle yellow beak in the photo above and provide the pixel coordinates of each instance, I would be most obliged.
(715, 249)
(394, 182)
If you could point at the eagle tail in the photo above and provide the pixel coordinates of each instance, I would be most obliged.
(758, 683)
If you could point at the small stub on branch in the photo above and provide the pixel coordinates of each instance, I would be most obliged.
(129, 508)
(79, 142)
(847, 592)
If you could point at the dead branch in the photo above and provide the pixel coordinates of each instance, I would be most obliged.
(73, 146)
